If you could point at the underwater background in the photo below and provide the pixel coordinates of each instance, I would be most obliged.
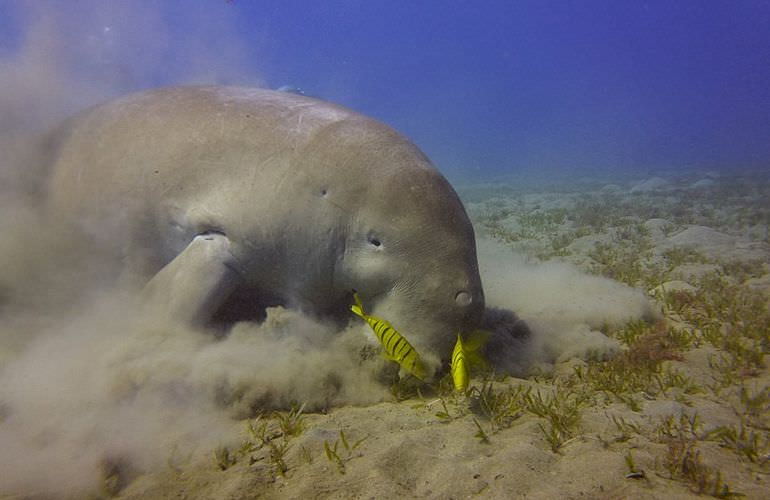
(484, 88)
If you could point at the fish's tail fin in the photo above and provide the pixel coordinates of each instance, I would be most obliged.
(358, 307)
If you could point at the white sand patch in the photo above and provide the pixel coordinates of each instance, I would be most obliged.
(651, 184)
(716, 245)
(703, 184)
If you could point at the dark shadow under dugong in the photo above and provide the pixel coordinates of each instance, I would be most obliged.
(223, 200)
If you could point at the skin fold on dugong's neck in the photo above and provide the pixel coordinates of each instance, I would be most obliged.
(315, 200)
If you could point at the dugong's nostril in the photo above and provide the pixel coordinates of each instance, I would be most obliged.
(463, 298)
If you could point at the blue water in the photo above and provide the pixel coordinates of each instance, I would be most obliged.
(485, 88)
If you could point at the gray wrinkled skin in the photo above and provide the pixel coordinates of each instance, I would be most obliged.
(226, 200)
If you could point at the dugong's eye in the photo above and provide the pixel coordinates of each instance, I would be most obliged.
(374, 241)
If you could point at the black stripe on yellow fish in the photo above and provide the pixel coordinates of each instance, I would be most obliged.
(386, 334)
(395, 344)
(458, 367)
(402, 348)
(458, 356)
(397, 348)
(465, 356)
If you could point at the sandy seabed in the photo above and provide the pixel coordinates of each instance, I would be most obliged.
(677, 406)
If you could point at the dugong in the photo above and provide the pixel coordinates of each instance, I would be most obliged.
(225, 200)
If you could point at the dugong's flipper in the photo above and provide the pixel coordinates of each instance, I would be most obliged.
(194, 285)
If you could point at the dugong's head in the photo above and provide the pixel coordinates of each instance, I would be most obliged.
(409, 247)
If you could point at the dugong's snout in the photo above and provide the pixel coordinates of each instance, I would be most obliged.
(461, 310)
(431, 319)
(466, 293)
(469, 307)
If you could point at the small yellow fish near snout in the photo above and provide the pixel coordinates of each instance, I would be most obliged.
(397, 348)
(464, 356)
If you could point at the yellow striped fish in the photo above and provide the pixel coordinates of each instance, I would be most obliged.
(397, 348)
(464, 357)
